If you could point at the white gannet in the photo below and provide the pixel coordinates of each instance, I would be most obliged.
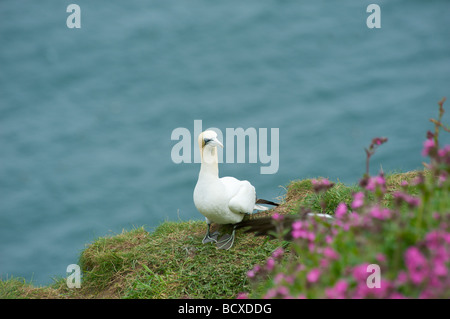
(223, 200)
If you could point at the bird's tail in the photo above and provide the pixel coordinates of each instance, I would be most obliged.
(267, 202)
(265, 226)
(263, 201)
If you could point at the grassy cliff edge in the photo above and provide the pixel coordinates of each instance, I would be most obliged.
(171, 261)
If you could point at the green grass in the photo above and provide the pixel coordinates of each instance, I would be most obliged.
(302, 192)
(171, 261)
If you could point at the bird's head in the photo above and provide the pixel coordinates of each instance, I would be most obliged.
(207, 140)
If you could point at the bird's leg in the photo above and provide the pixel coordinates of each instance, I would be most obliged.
(226, 241)
(210, 237)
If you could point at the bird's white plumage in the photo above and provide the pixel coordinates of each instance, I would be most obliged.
(223, 200)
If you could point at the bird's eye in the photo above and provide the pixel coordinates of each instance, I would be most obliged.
(207, 140)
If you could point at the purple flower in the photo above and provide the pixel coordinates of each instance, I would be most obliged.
(330, 253)
(376, 182)
(381, 258)
(428, 145)
(444, 151)
(313, 275)
(271, 293)
(311, 236)
(328, 239)
(299, 233)
(297, 225)
(397, 295)
(252, 273)
(361, 291)
(242, 295)
(439, 268)
(382, 291)
(358, 200)
(411, 201)
(278, 253)
(379, 140)
(270, 264)
(360, 272)
(321, 185)
(380, 213)
(417, 265)
(277, 216)
(338, 291)
(402, 278)
(283, 291)
(341, 210)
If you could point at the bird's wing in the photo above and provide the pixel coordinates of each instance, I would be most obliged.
(241, 194)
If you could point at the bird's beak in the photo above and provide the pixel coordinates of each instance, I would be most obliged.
(216, 142)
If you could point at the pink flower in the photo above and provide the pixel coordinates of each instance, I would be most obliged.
(338, 291)
(242, 295)
(300, 267)
(271, 293)
(270, 264)
(361, 291)
(299, 233)
(381, 258)
(427, 146)
(439, 268)
(447, 238)
(278, 253)
(433, 240)
(283, 291)
(341, 210)
(380, 213)
(252, 273)
(324, 263)
(382, 291)
(396, 295)
(297, 225)
(443, 151)
(401, 197)
(358, 200)
(278, 278)
(360, 272)
(402, 278)
(321, 185)
(330, 253)
(417, 265)
(282, 278)
(313, 275)
(328, 239)
(376, 182)
(277, 216)
(379, 140)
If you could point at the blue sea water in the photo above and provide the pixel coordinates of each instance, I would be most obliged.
(86, 115)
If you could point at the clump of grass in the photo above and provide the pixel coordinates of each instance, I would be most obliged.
(170, 262)
(302, 194)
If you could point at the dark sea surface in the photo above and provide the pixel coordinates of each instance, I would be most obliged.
(86, 115)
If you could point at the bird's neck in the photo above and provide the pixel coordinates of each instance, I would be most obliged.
(210, 164)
